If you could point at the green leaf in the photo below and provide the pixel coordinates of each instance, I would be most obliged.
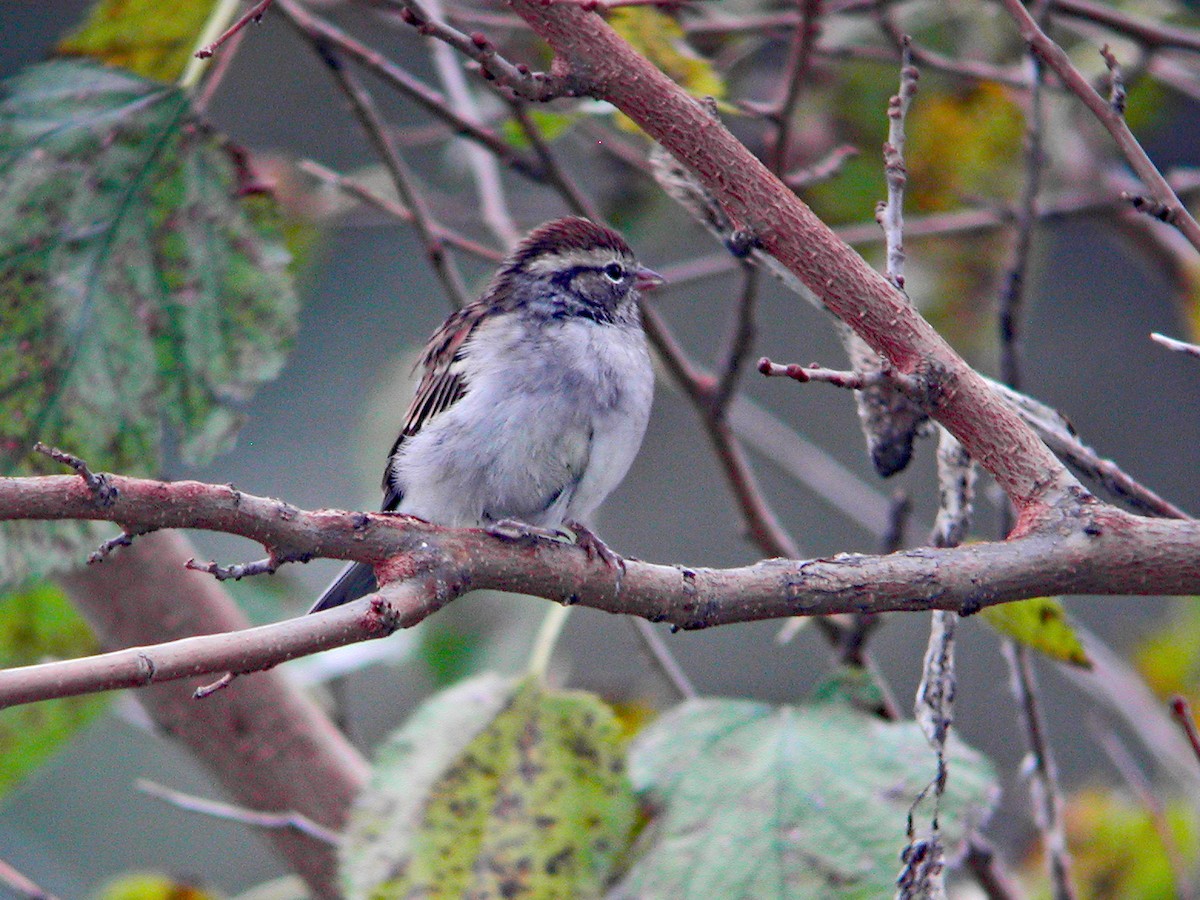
(551, 125)
(1040, 623)
(759, 801)
(138, 35)
(493, 789)
(139, 288)
(37, 624)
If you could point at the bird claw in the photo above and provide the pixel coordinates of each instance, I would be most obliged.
(594, 547)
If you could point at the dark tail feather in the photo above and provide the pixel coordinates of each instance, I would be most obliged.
(356, 580)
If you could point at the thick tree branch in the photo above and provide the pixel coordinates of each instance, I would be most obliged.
(1087, 547)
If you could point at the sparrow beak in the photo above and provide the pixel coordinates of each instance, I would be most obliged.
(646, 279)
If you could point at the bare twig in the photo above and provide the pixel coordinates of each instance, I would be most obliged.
(981, 862)
(1177, 346)
(891, 213)
(21, 885)
(1163, 203)
(518, 78)
(664, 660)
(489, 188)
(763, 526)
(855, 381)
(316, 29)
(578, 202)
(254, 14)
(257, 818)
(360, 191)
(373, 126)
(1181, 710)
(1012, 294)
(740, 341)
(804, 36)
(1043, 774)
(101, 487)
(1137, 782)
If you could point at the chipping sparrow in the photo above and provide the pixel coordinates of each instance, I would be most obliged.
(533, 399)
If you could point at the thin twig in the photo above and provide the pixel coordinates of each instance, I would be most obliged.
(257, 818)
(1163, 203)
(662, 657)
(767, 533)
(851, 380)
(254, 15)
(795, 71)
(1012, 294)
(489, 188)
(1177, 346)
(578, 202)
(517, 77)
(981, 862)
(891, 212)
(1135, 779)
(373, 126)
(315, 28)
(1181, 710)
(355, 188)
(1043, 774)
(21, 885)
(101, 486)
(741, 339)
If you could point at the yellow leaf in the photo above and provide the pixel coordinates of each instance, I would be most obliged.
(141, 35)
(1040, 623)
(659, 38)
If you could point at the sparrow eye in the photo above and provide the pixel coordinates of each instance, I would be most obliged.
(614, 272)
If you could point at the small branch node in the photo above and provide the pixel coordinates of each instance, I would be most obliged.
(104, 492)
(207, 690)
(1116, 82)
(238, 571)
(1155, 209)
(124, 539)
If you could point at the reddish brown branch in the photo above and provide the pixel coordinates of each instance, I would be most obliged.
(254, 14)
(1092, 548)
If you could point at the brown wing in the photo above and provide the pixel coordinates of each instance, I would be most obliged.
(442, 381)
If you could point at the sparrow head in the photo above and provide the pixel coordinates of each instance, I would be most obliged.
(574, 267)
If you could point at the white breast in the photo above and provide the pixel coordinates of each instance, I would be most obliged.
(552, 419)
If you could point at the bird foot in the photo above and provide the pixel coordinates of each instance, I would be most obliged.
(595, 548)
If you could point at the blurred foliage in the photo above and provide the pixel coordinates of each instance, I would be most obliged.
(550, 125)
(152, 886)
(1121, 852)
(963, 145)
(493, 788)
(1041, 624)
(140, 36)
(449, 652)
(1169, 657)
(142, 279)
(37, 624)
(804, 802)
